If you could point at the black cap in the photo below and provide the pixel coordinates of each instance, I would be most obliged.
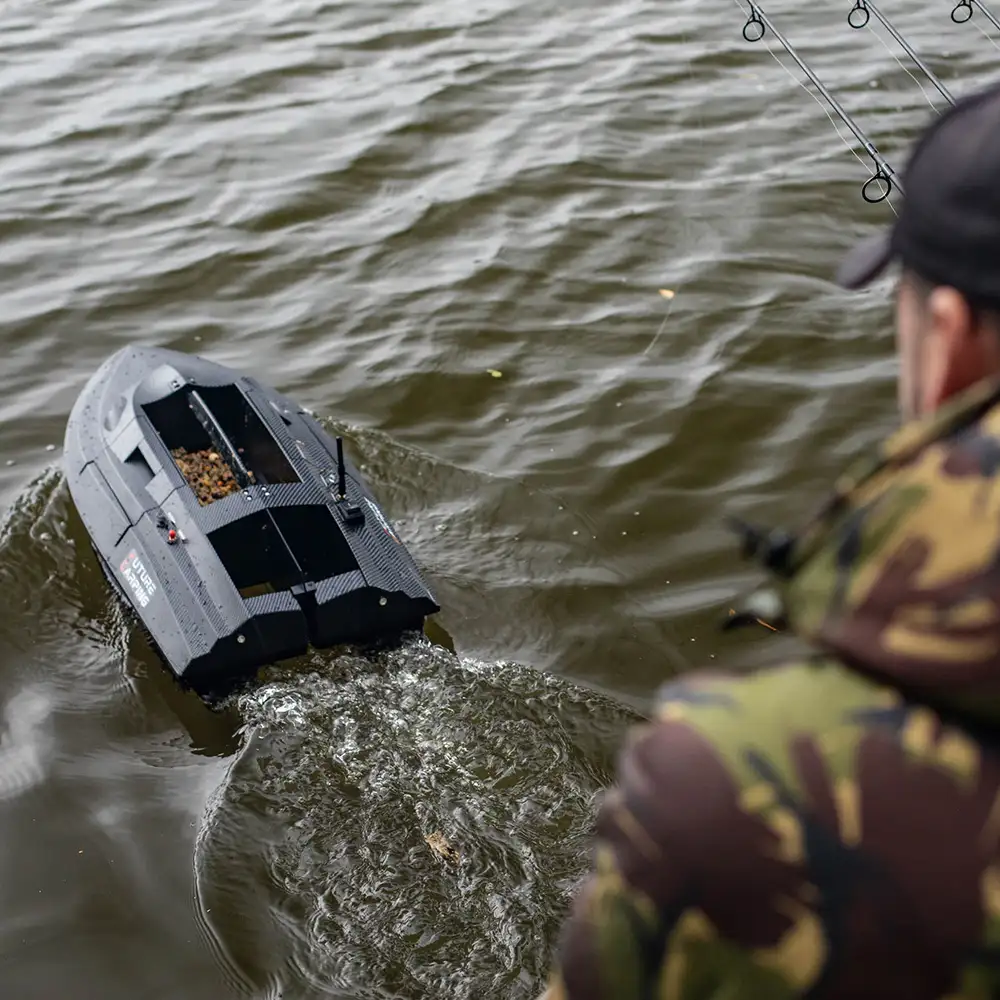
(948, 227)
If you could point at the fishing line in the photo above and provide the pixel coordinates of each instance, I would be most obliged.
(967, 6)
(966, 9)
(753, 31)
(988, 37)
(899, 62)
(906, 70)
(859, 17)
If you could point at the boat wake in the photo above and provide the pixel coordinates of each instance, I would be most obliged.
(313, 866)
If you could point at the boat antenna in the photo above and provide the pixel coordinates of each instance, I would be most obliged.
(963, 12)
(859, 17)
(753, 31)
(341, 471)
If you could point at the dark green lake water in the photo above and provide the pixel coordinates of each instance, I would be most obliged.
(371, 206)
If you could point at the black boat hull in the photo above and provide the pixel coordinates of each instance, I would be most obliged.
(298, 554)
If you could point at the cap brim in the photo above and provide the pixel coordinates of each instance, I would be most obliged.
(866, 261)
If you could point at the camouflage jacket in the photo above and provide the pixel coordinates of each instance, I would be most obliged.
(828, 828)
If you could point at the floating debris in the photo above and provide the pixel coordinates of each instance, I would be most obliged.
(439, 844)
(668, 294)
(759, 621)
(207, 473)
(495, 373)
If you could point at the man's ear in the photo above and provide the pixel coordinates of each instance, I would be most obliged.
(954, 356)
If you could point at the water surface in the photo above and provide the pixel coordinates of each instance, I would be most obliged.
(371, 206)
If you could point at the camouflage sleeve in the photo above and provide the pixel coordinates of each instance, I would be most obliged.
(673, 844)
(612, 943)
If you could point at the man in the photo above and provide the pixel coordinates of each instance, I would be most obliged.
(830, 828)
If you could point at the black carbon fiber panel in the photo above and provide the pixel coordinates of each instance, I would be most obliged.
(329, 590)
(223, 611)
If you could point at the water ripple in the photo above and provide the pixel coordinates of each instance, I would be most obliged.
(350, 765)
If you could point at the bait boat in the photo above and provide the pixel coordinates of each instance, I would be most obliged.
(230, 521)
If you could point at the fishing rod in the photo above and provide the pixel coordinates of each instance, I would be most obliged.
(861, 14)
(753, 31)
(966, 6)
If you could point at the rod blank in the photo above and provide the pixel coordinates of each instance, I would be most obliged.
(865, 8)
(753, 31)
